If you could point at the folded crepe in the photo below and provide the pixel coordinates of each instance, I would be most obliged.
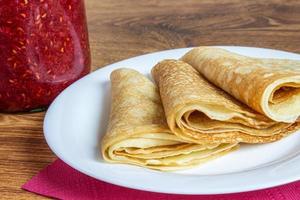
(269, 86)
(200, 112)
(138, 134)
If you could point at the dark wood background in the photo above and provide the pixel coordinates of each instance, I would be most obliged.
(120, 29)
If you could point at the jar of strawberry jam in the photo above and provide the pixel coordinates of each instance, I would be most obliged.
(43, 48)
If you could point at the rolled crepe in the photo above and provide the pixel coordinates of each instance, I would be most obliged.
(138, 134)
(200, 112)
(269, 86)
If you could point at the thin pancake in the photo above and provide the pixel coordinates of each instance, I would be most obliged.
(138, 133)
(200, 112)
(269, 86)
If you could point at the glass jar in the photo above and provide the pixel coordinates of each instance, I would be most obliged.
(44, 47)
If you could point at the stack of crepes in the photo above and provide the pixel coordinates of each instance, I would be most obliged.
(209, 101)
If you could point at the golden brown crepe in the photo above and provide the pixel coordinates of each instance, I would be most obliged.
(200, 112)
(138, 134)
(269, 86)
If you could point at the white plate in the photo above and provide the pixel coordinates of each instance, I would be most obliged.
(76, 120)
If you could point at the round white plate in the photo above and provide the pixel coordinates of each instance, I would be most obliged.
(76, 120)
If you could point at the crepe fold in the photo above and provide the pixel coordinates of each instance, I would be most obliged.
(200, 112)
(138, 134)
(269, 86)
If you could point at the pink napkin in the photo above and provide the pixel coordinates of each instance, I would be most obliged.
(60, 181)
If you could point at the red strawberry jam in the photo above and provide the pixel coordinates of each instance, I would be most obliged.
(43, 48)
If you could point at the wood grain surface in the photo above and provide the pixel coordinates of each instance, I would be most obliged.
(120, 29)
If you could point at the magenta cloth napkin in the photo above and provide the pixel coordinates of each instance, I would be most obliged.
(60, 181)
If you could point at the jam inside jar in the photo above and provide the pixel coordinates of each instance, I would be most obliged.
(44, 48)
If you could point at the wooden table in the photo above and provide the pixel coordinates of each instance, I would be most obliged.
(124, 28)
